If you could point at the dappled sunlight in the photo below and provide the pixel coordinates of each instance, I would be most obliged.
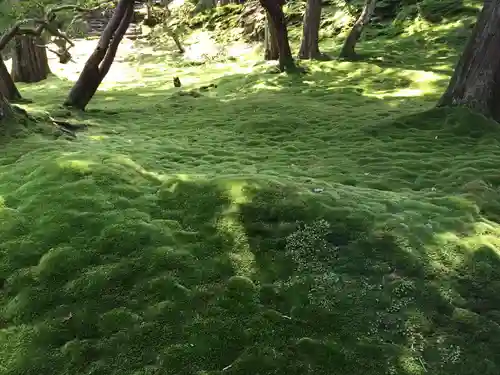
(266, 85)
(484, 233)
(127, 161)
(78, 165)
(98, 137)
(241, 256)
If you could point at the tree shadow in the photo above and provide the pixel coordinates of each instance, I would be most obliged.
(119, 273)
(383, 302)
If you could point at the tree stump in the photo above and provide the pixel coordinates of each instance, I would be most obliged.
(29, 62)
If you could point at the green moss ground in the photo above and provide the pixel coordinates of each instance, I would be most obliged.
(332, 223)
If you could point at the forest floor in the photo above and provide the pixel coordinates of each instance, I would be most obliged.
(327, 223)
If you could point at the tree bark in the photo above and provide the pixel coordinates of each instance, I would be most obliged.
(6, 110)
(204, 5)
(99, 63)
(309, 48)
(476, 80)
(278, 22)
(271, 51)
(8, 88)
(29, 62)
(348, 50)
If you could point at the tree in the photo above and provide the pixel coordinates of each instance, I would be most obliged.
(348, 50)
(309, 48)
(476, 80)
(278, 22)
(8, 88)
(29, 60)
(204, 5)
(99, 62)
(6, 111)
(271, 51)
(171, 25)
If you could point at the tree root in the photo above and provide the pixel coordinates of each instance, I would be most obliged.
(67, 127)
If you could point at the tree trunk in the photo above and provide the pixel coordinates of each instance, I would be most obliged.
(278, 22)
(178, 43)
(29, 62)
(204, 5)
(476, 80)
(348, 51)
(6, 110)
(271, 51)
(8, 88)
(149, 9)
(309, 48)
(99, 63)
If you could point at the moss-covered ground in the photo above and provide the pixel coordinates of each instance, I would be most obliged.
(331, 223)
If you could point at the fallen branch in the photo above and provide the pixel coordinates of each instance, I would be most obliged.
(66, 125)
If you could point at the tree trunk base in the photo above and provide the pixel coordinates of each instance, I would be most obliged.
(99, 63)
(348, 50)
(475, 83)
(271, 51)
(319, 56)
(350, 57)
(274, 9)
(29, 62)
(309, 47)
(8, 88)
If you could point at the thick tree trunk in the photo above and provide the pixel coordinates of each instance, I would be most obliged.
(8, 88)
(348, 50)
(476, 80)
(271, 51)
(309, 48)
(99, 63)
(29, 62)
(275, 10)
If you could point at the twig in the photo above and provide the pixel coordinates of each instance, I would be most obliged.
(422, 364)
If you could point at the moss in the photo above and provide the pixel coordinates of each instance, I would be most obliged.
(331, 223)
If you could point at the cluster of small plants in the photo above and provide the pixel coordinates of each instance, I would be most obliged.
(314, 260)
(309, 248)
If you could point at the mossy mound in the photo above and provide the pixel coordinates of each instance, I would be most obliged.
(108, 269)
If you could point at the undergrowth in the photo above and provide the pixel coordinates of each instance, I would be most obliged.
(331, 223)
